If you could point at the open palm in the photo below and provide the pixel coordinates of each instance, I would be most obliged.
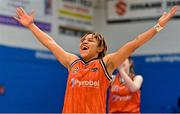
(167, 16)
(24, 18)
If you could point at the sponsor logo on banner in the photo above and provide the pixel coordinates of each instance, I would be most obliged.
(121, 7)
(75, 17)
(120, 11)
(42, 8)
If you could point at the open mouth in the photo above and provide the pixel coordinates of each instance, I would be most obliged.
(85, 48)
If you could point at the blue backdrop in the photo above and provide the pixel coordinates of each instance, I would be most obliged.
(35, 82)
(161, 86)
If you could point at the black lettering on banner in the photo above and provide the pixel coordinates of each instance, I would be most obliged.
(146, 6)
(85, 3)
(71, 31)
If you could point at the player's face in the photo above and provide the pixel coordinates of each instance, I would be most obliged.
(89, 47)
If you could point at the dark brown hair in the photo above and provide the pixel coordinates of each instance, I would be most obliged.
(131, 69)
(101, 42)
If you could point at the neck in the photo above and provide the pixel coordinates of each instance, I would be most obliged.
(86, 59)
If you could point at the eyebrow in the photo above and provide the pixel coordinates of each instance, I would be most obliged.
(90, 38)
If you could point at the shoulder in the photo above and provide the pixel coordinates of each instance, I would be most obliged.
(108, 63)
(138, 77)
(74, 56)
(107, 58)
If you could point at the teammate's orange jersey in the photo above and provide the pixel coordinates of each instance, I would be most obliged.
(121, 99)
(86, 87)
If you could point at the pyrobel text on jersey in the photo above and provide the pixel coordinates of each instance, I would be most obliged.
(86, 83)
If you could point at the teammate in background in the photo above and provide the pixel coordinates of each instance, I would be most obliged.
(124, 96)
(89, 77)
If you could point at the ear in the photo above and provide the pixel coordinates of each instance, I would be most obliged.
(100, 49)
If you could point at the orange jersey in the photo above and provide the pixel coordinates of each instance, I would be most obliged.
(121, 99)
(86, 87)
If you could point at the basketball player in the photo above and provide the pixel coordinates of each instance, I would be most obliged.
(124, 96)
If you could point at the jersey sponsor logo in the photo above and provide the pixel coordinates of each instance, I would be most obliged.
(94, 69)
(72, 82)
(75, 70)
(84, 83)
(121, 98)
(116, 88)
(121, 80)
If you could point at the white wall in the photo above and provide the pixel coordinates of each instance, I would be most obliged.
(21, 37)
(167, 41)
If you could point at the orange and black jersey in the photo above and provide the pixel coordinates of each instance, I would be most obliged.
(86, 87)
(121, 100)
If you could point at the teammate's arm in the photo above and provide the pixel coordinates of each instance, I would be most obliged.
(134, 84)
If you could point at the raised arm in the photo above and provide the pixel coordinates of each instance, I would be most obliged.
(133, 85)
(27, 20)
(112, 61)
